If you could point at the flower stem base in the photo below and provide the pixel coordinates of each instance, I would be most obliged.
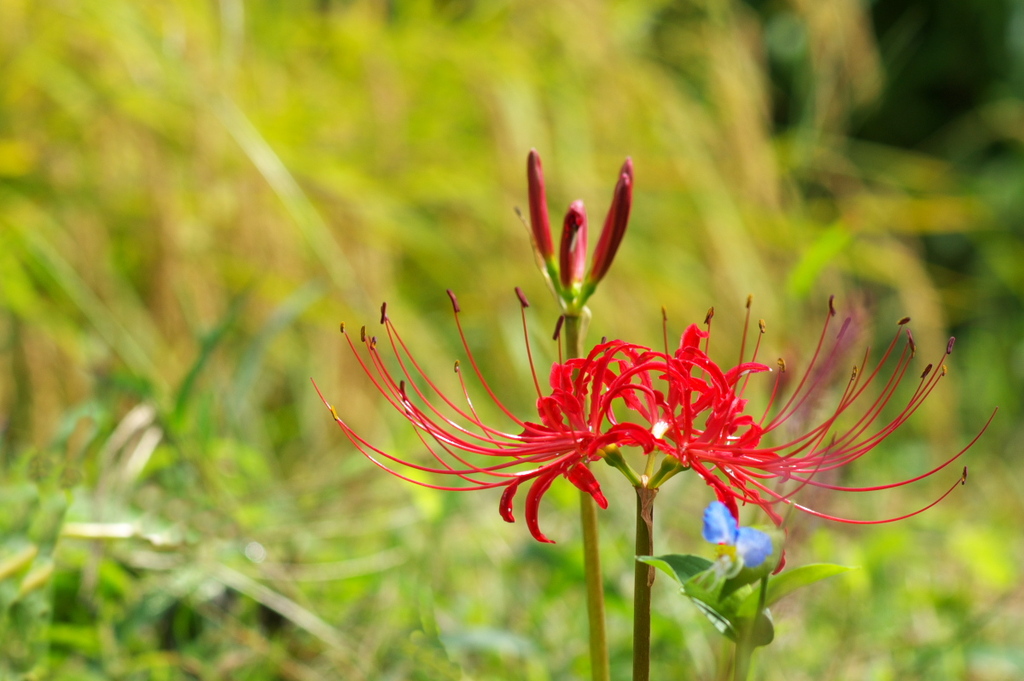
(643, 579)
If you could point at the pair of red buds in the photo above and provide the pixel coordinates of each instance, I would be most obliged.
(566, 274)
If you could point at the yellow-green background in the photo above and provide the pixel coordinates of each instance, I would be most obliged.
(194, 194)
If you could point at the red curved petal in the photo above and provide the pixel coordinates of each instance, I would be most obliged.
(581, 476)
(537, 490)
(505, 505)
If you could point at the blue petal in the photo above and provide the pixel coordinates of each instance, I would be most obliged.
(753, 546)
(719, 525)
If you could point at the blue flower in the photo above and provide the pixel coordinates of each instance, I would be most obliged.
(737, 546)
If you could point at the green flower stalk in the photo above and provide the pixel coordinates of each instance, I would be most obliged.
(572, 286)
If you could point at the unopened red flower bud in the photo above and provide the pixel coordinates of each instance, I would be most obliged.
(573, 252)
(614, 224)
(540, 226)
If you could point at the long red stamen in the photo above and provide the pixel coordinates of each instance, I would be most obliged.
(681, 404)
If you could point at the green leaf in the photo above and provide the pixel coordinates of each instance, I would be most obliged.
(721, 613)
(722, 623)
(725, 612)
(207, 345)
(786, 583)
(16, 562)
(725, 602)
(826, 248)
(764, 628)
(680, 567)
(749, 576)
(696, 588)
(691, 572)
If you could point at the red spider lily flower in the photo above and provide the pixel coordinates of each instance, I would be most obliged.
(576, 424)
(566, 273)
(702, 423)
(683, 405)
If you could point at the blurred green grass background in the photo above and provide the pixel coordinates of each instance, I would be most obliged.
(194, 194)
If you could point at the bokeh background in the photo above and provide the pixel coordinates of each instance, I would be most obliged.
(194, 194)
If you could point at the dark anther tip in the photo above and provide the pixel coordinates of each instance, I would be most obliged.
(963, 476)
(949, 345)
(362, 334)
(558, 327)
(522, 297)
(341, 327)
(832, 306)
(709, 315)
(903, 320)
(455, 302)
(383, 312)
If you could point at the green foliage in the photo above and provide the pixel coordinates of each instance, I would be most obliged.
(30, 521)
(738, 606)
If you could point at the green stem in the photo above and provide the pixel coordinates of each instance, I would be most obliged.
(599, 669)
(744, 648)
(643, 579)
(725, 661)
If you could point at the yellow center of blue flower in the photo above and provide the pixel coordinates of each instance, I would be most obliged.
(728, 550)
